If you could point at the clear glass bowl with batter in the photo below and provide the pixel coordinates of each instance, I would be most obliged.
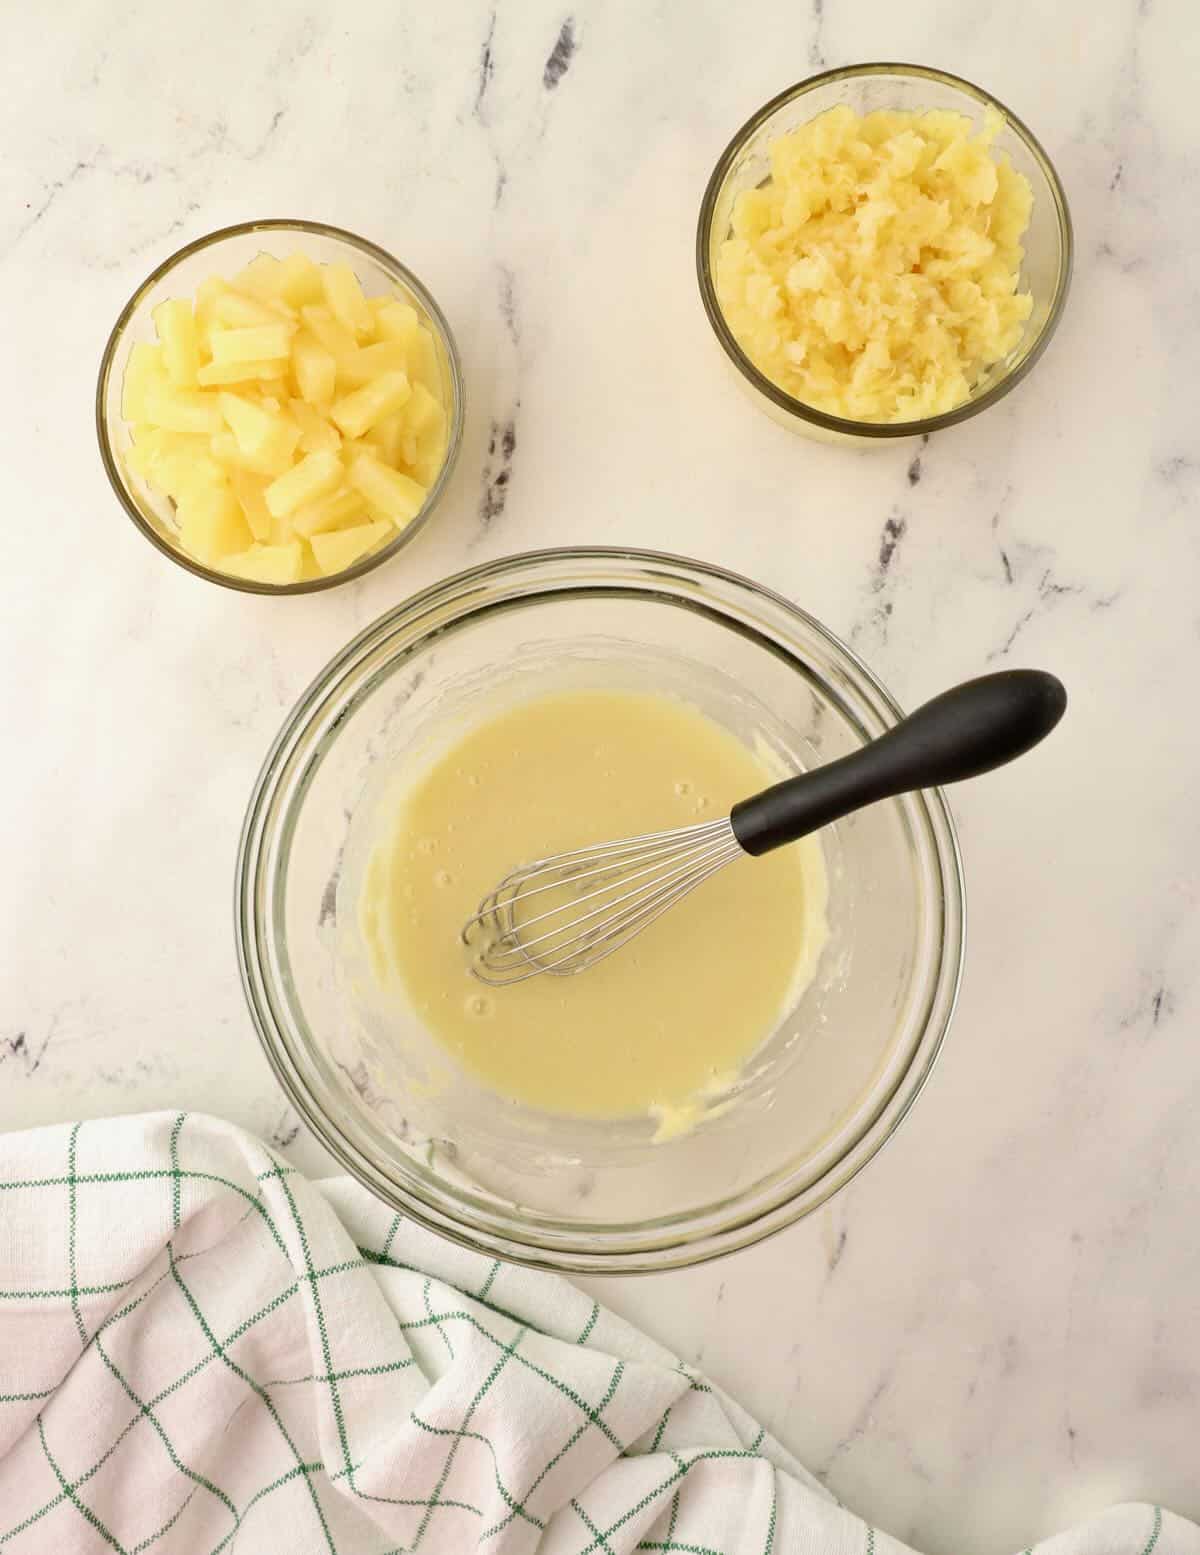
(814, 1103)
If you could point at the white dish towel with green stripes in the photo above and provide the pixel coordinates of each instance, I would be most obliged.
(202, 1351)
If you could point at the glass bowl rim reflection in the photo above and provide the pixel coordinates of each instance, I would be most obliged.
(397, 272)
(399, 637)
(844, 425)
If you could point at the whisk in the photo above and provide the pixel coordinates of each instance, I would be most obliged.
(564, 914)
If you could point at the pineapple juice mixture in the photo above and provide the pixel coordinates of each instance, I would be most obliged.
(663, 1027)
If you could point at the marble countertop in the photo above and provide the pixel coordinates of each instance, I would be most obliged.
(997, 1328)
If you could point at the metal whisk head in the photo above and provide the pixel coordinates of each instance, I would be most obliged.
(565, 913)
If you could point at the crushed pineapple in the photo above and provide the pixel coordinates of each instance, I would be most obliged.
(875, 274)
(295, 424)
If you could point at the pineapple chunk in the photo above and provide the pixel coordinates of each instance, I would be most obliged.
(423, 362)
(385, 356)
(345, 297)
(206, 294)
(331, 512)
(358, 412)
(428, 444)
(260, 343)
(300, 281)
(182, 410)
(173, 461)
(221, 374)
(397, 321)
(225, 451)
(387, 438)
(431, 455)
(261, 278)
(267, 563)
(155, 442)
(258, 430)
(248, 489)
(316, 434)
(225, 306)
(146, 371)
(211, 523)
(281, 532)
(422, 411)
(315, 369)
(341, 548)
(334, 336)
(179, 473)
(388, 491)
(176, 326)
(315, 476)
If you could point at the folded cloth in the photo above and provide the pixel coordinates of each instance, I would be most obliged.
(202, 1351)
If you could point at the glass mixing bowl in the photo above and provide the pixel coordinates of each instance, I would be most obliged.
(821, 1095)
(224, 253)
(1049, 245)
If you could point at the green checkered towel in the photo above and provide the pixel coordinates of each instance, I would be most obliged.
(202, 1351)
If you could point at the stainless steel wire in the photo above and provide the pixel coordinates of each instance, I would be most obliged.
(564, 914)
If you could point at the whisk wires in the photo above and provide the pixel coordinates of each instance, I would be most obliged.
(566, 913)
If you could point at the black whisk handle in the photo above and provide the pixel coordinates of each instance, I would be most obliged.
(966, 731)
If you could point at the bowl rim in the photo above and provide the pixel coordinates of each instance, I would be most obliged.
(684, 1246)
(844, 425)
(387, 262)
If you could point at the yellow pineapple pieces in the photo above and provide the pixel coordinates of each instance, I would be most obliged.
(178, 472)
(423, 425)
(145, 371)
(314, 368)
(423, 362)
(358, 411)
(182, 410)
(316, 434)
(345, 298)
(385, 356)
(275, 564)
(333, 335)
(211, 524)
(261, 278)
(315, 476)
(294, 423)
(300, 281)
(397, 321)
(387, 437)
(389, 492)
(331, 512)
(176, 326)
(225, 450)
(259, 431)
(341, 548)
(248, 489)
(224, 374)
(255, 343)
(236, 311)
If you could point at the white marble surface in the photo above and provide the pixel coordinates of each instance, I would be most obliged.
(998, 1327)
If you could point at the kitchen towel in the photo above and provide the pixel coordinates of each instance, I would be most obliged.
(201, 1351)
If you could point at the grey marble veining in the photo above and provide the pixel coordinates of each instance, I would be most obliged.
(997, 1328)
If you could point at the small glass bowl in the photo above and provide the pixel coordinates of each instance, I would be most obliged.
(828, 1087)
(223, 253)
(1048, 243)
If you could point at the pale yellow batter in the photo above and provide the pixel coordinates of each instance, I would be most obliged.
(664, 1024)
